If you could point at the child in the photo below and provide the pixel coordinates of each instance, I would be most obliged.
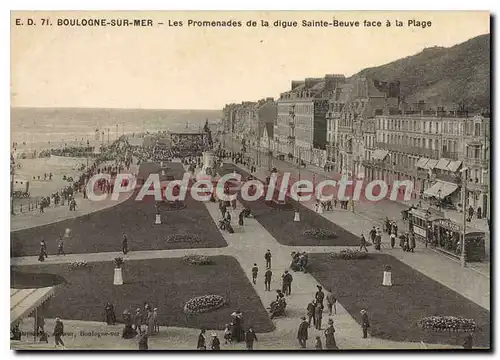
(255, 270)
(318, 345)
(227, 335)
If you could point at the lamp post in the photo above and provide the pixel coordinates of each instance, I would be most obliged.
(463, 260)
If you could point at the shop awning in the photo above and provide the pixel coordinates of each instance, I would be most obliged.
(434, 189)
(24, 301)
(431, 164)
(421, 162)
(454, 166)
(447, 188)
(442, 164)
(380, 154)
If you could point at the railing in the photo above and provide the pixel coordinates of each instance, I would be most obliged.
(450, 155)
(476, 161)
(477, 186)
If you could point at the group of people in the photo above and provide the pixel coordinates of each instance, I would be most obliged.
(142, 324)
(299, 261)
(42, 254)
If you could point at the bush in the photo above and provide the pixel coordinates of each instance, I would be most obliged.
(79, 265)
(204, 303)
(118, 262)
(348, 254)
(177, 238)
(320, 234)
(447, 323)
(197, 260)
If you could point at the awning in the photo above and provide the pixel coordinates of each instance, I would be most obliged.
(447, 188)
(380, 154)
(434, 189)
(442, 164)
(454, 166)
(421, 162)
(431, 164)
(24, 301)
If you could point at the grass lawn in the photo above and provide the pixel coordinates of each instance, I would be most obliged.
(102, 231)
(280, 224)
(394, 311)
(164, 283)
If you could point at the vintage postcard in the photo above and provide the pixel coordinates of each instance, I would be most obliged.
(250, 180)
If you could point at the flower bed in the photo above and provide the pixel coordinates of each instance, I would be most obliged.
(197, 260)
(79, 265)
(348, 254)
(447, 323)
(118, 262)
(204, 303)
(319, 234)
(177, 238)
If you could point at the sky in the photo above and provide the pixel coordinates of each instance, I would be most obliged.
(167, 67)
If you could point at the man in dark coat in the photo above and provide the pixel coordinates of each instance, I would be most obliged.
(303, 332)
(255, 271)
(330, 343)
(310, 312)
(267, 279)
(125, 244)
(320, 296)
(201, 341)
(58, 332)
(250, 337)
(287, 283)
(143, 340)
(362, 244)
(267, 257)
(373, 232)
(412, 242)
(365, 323)
(318, 315)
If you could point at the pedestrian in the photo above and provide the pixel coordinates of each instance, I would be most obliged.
(331, 302)
(330, 342)
(201, 341)
(155, 321)
(303, 332)
(412, 242)
(363, 243)
(393, 240)
(365, 323)
(227, 335)
(60, 246)
(58, 333)
(143, 340)
(310, 312)
(250, 337)
(287, 283)
(268, 257)
(43, 248)
(318, 345)
(255, 270)
(267, 279)
(373, 233)
(138, 320)
(318, 315)
(320, 296)
(125, 244)
(215, 342)
(109, 312)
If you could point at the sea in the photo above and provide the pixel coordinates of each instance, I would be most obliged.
(41, 128)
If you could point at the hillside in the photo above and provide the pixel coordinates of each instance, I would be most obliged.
(443, 76)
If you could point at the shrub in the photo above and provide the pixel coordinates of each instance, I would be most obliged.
(118, 262)
(177, 238)
(447, 323)
(348, 254)
(197, 260)
(204, 303)
(79, 265)
(320, 234)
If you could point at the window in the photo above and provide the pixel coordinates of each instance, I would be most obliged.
(477, 129)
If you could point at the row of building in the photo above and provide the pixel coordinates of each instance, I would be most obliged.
(363, 128)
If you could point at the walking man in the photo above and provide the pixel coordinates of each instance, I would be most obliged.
(287, 283)
(267, 279)
(43, 248)
(331, 302)
(318, 315)
(125, 245)
(255, 270)
(60, 246)
(268, 256)
(303, 332)
(320, 296)
(365, 323)
(310, 312)
(393, 239)
(58, 332)
(363, 243)
(250, 337)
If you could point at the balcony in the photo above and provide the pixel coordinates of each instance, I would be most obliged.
(450, 155)
(473, 186)
(409, 150)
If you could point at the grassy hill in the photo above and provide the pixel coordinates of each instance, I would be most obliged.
(443, 76)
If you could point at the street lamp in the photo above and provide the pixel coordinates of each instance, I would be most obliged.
(464, 203)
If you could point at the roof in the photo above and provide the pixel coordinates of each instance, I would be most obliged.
(24, 301)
